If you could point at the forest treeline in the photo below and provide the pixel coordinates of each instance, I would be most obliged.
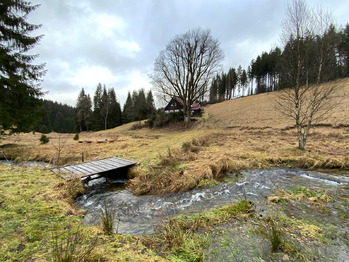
(106, 111)
(57, 117)
(101, 112)
(268, 72)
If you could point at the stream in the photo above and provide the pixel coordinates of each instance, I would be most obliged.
(25, 164)
(138, 215)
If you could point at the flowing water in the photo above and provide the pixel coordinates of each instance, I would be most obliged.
(25, 164)
(138, 215)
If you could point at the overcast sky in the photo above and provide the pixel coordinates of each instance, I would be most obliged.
(115, 42)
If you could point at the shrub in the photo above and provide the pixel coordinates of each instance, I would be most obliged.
(161, 119)
(76, 137)
(44, 139)
(138, 126)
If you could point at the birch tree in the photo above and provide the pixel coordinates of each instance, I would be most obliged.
(306, 103)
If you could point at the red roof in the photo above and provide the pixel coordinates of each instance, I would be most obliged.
(194, 106)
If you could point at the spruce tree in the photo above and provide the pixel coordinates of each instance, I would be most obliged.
(97, 123)
(214, 89)
(142, 105)
(19, 78)
(58, 124)
(232, 80)
(105, 107)
(115, 111)
(83, 111)
(343, 47)
(128, 110)
(243, 81)
(150, 106)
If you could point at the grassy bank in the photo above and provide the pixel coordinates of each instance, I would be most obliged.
(39, 221)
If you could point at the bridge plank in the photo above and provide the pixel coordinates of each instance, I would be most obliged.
(94, 167)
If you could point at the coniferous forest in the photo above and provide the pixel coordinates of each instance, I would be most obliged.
(269, 72)
(58, 118)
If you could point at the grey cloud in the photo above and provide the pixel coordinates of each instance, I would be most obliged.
(72, 42)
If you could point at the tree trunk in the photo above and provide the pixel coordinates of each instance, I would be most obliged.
(187, 119)
(302, 142)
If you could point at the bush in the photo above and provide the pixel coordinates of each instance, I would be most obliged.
(44, 139)
(161, 119)
(76, 137)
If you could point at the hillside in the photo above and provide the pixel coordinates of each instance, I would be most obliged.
(245, 133)
(258, 111)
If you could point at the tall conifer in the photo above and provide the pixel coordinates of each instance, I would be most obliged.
(19, 79)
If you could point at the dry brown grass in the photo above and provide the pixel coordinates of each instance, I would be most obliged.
(258, 112)
(237, 134)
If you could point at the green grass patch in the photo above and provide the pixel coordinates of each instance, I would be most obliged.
(39, 221)
(181, 237)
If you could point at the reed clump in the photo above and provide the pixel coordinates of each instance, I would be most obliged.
(108, 215)
(72, 246)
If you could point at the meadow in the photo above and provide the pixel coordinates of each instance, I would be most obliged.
(37, 207)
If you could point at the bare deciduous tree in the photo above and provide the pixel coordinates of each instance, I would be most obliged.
(306, 43)
(185, 67)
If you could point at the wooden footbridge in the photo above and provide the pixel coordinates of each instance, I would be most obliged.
(113, 166)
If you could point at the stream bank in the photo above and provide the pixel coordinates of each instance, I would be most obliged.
(311, 229)
(139, 214)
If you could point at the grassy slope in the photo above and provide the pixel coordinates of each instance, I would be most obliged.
(258, 112)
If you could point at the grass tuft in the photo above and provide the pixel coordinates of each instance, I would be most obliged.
(72, 246)
(108, 215)
(180, 237)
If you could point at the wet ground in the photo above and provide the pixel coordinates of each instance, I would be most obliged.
(240, 241)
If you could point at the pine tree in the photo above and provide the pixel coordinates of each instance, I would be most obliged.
(19, 79)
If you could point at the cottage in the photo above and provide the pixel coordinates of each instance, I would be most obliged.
(176, 105)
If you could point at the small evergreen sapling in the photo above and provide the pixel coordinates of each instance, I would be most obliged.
(44, 139)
